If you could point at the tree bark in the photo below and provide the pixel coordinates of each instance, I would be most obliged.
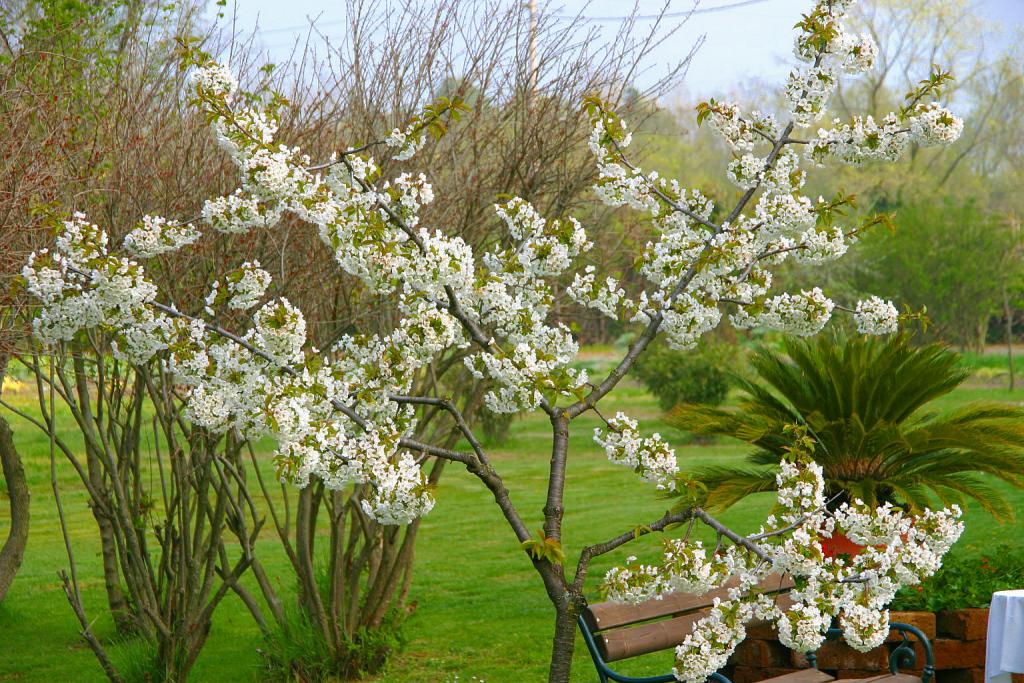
(564, 641)
(1008, 317)
(13, 550)
(116, 600)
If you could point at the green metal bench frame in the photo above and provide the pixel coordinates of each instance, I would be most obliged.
(903, 656)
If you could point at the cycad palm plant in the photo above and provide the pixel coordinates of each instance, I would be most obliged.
(865, 400)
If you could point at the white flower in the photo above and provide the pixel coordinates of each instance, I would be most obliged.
(238, 213)
(932, 124)
(407, 142)
(215, 80)
(280, 331)
(605, 298)
(245, 287)
(876, 316)
(650, 457)
(864, 628)
(821, 246)
(156, 235)
(802, 627)
(801, 314)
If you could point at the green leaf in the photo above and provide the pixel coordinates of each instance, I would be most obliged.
(544, 548)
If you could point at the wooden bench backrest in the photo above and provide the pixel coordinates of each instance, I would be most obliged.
(623, 630)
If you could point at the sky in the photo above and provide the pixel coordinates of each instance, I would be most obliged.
(744, 39)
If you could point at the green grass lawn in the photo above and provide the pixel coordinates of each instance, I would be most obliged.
(480, 608)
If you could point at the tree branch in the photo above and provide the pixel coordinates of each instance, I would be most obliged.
(592, 551)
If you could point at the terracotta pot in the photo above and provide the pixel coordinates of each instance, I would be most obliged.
(839, 544)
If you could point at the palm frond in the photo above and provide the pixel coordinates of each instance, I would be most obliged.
(728, 485)
(865, 400)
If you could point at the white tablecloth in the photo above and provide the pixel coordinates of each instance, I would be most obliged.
(1005, 653)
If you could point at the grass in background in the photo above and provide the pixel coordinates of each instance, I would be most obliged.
(480, 609)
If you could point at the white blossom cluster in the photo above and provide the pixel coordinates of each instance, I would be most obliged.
(899, 550)
(821, 246)
(245, 287)
(685, 566)
(238, 213)
(156, 235)
(809, 88)
(864, 139)
(801, 314)
(605, 297)
(650, 457)
(742, 134)
(408, 142)
(876, 316)
(709, 648)
(932, 124)
(113, 291)
(215, 80)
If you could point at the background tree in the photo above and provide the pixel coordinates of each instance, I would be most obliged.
(963, 257)
(12, 551)
(91, 81)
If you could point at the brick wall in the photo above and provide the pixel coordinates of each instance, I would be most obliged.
(957, 637)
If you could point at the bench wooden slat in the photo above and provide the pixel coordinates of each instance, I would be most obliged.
(646, 638)
(633, 641)
(609, 615)
(804, 676)
(884, 678)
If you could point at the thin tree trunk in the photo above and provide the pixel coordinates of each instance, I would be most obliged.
(108, 549)
(13, 550)
(1008, 317)
(564, 641)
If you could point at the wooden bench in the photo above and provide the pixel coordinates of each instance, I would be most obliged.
(616, 631)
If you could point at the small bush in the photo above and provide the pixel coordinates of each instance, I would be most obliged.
(135, 659)
(697, 376)
(966, 581)
(297, 650)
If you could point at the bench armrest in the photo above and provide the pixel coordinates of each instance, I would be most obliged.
(904, 655)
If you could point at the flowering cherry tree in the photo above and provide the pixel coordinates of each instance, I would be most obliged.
(345, 414)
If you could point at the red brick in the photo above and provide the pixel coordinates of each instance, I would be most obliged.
(958, 654)
(964, 624)
(924, 621)
(745, 674)
(761, 653)
(761, 630)
(750, 653)
(976, 675)
(839, 655)
(1017, 678)
(798, 659)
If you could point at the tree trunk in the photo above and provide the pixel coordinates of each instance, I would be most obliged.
(564, 641)
(1008, 317)
(119, 608)
(13, 550)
